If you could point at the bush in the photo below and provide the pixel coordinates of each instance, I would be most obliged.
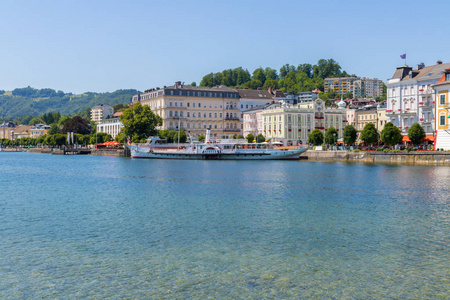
(356, 150)
(386, 150)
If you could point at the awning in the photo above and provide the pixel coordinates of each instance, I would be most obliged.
(429, 138)
(405, 139)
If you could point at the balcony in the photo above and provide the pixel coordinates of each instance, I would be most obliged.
(232, 118)
(232, 129)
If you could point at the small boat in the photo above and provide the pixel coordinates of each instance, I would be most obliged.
(225, 149)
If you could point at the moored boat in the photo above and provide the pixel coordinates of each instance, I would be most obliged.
(229, 149)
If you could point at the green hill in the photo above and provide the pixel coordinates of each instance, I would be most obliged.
(35, 102)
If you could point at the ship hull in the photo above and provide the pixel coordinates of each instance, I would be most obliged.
(239, 155)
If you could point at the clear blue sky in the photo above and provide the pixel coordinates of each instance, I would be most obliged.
(99, 46)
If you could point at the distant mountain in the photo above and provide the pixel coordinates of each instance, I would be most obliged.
(35, 102)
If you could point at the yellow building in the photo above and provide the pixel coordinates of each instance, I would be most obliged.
(442, 89)
(292, 124)
(194, 109)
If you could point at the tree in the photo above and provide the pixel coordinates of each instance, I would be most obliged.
(260, 138)
(369, 134)
(240, 136)
(331, 136)
(63, 120)
(201, 138)
(100, 137)
(259, 74)
(193, 83)
(416, 133)
(391, 135)
(250, 137)
(54, 129)
(316, 137)
(349, 135)
(78, 125)
(36, 120)
(139, 122)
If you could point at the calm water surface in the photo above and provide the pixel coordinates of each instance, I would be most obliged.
(104, 227)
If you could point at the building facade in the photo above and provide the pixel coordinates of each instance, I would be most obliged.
(101, 112)
(442, 111)
(194, 109)
(307, 96)
(110, 126)
(367, 88)
(7, 130)
(411, 98)
(365, 116)
(292, 124)
(38, 130)
(341, 85)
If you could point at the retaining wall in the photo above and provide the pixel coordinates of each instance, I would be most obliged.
(414, 157)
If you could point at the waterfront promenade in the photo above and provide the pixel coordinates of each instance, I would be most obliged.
(412, 157)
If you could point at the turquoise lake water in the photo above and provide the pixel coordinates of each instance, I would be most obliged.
(94, 227)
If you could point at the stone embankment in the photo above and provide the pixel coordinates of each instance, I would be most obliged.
(104, 152)
(413, 157)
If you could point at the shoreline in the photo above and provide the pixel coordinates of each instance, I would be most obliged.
(413, 157)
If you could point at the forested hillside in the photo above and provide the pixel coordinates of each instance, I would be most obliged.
(30, 101)
(294, 79)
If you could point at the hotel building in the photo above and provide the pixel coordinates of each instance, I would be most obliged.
(194, 109)
(411, 98)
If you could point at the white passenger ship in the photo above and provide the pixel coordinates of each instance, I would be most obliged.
(229, 149)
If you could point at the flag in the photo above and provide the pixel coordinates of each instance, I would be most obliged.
(403, 56)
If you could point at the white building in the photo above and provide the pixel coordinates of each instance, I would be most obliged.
(111, 126)
(411, 98)
(101, 112)
(307, 96)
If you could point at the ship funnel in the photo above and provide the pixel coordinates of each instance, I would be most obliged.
(208, 136)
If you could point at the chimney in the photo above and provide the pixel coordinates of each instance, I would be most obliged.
(177, 84)
(420, 66)
(439, 62)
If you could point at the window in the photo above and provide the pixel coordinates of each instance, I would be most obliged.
(188, 104)
(193, 104)
(442, 99)
(215, 115)
(210, 115)
(442, 120)
(199, 105)
(188, 114)
(193, 114)
(170, 104)
(176, 104)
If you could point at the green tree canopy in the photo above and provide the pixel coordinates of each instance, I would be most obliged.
(316, 137)
(369, 134)
(349, 135)
(36, 120)
(54, 129)
(260, 138)
(391, 135)
(416, 133)
(250, 137)
(331, 136)
(139, 122)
